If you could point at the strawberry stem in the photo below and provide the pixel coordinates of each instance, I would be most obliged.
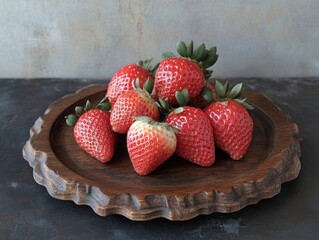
(88, 106)
(204, 58)
(181, 49)
(148, 85)
(79, 110)
(182, 97)
(136, 84)
(190, 49)
(71, 120)
(208, 95)
(146, 64)
(168, 55)
(224, 93)
(150, 121)
(103, 105)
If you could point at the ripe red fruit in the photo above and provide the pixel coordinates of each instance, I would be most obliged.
(149, 144)
(195, 138)
(232, 124)
(190, 71)
(175, 74)
(124, 78)
(93, 132)
(131, 104)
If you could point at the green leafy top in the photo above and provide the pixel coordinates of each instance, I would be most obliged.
(150, 121)
(182, 97)
(182, 100)
(103, 105)
(225, 93)
(146, 64)
(205, 58)
(147, 87)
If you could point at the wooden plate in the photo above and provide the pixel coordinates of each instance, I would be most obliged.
(178, 190)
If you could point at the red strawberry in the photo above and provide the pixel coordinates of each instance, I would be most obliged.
(188, 71)
(93, 132)
(195, 138)
(123, 79)
(149, 144)
(132, 103)
(175, 74)
(232, 124)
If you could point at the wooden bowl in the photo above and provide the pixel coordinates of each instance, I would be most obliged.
(178, 190)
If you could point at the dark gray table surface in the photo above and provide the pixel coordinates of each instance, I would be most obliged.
(28, 212)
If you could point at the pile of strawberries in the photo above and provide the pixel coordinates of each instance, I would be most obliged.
(167, 109)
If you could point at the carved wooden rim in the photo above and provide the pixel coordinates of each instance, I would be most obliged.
(283, 165)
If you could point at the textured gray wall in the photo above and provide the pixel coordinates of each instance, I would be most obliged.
(92, 39)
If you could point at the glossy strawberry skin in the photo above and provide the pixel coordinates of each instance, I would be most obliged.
(93, 133)
(131, 104)
(233, 127)
(122, 80)
(175, 74)
(195, 139)
(149, 146)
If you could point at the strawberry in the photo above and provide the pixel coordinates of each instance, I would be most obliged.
(93, 132)
(135, 102)
(149, 144)
(123, 79)
(190, 71)
(195, 138)
(232, 124)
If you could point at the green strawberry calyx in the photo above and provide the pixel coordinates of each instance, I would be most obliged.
(147, 87)
(164, 107)
(150, 121)
(225, 93)
(182, 98)
(204, 58)
(103, 105)
(146, 64)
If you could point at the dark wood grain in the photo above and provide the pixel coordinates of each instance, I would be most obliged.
(178, 190)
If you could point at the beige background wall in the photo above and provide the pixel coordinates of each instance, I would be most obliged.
(92, 39)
